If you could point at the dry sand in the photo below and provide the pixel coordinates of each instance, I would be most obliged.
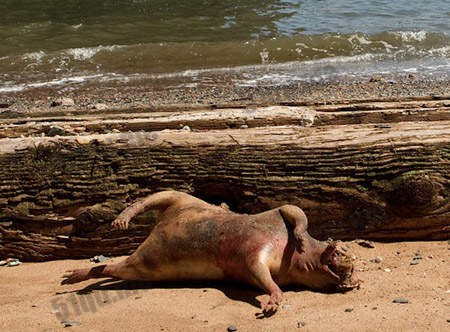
(32, 299)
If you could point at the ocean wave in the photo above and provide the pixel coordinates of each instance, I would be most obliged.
(409, 36)
(79, 54)
(86, 53)
(154, 57)
(11, 87)
(315, 55)
(34, 56)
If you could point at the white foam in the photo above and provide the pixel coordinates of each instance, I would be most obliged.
(85, 53)
(34, 56)
(345, 59)
(410, 36)
(360, 39)
(388, 47)
(441, 51)
(60, 81)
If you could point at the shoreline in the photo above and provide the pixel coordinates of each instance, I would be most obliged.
(152, 93)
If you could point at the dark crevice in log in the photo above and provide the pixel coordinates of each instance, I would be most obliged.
(58, 195)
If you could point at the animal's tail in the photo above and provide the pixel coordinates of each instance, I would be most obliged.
(159, 201)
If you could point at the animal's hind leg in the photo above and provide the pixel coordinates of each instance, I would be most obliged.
(125, 270)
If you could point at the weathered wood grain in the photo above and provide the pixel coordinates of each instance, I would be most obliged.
(379, 172)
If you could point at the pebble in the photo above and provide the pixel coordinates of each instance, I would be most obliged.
(401, 300)
(382, 126)
(62, 102)
(365, 243)
(9, 262)
(186, 128)
(231, 328)
(286, 306)
(79, 129)
(57, 130)
(301, 324)
(98, 259)
(387, 270)
(350, 309)
(69, 323)
(377, 259)
(100, 106)
(414, 261)
(376, 79)
(67, 101)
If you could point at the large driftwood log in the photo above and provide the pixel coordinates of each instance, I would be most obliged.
(377, 170)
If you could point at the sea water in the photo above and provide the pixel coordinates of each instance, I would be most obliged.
(55, 43)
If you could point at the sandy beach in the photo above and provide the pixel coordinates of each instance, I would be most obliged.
(412, 272)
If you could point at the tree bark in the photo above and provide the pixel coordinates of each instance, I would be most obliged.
(378, 170)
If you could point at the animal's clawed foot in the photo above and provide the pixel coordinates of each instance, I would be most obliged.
(72, 277)
(269, 308)
(121, 223)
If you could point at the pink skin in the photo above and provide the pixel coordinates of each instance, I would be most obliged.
(196, 240)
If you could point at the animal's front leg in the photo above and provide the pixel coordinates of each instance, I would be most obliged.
(295, 217)
(261, 276)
